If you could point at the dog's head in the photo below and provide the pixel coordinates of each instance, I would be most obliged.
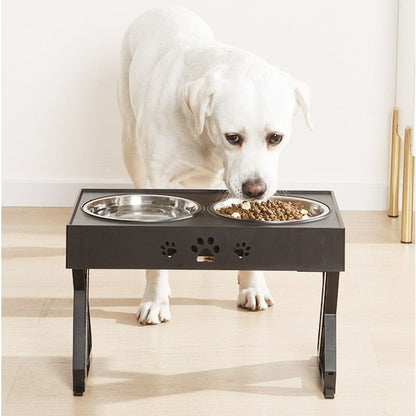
(248, 115)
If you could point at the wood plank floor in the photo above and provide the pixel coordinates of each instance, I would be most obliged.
(212, 358)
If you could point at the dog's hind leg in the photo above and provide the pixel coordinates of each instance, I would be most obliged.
(133, 159)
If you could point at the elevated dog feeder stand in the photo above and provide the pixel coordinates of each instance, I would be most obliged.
(94, 243)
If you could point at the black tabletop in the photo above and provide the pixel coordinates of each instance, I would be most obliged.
(205, 241)
(206, 218)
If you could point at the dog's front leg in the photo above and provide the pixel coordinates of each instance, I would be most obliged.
(154, 307)
(253, 292)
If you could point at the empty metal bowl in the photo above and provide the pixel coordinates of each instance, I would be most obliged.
(142, 208)
(318, 209)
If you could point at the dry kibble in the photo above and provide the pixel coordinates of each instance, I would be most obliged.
(246, 205)
(271, 210)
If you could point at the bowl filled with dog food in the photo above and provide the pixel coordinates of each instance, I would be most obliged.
(275, 210)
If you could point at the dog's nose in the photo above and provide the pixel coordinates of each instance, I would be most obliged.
(254, 189)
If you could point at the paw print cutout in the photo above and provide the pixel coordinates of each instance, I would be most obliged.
(242, 250)
(205, 250)
(168, 249)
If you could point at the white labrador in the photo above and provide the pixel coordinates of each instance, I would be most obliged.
(199, 113)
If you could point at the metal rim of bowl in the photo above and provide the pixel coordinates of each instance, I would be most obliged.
(199, 208)
(212, 209)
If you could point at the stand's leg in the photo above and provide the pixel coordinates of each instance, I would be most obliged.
(82, 340)
(327, 333)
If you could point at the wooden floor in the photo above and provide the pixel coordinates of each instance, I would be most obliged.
(212, 358)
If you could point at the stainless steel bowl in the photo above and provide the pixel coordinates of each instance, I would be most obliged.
(142, 208)
(316, 208)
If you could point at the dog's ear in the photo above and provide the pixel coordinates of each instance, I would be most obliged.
(303, 98)
(198, 96)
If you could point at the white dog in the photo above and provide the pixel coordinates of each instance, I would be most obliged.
(198, 113)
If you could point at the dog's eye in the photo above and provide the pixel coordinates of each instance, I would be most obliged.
(274, 139)
(234, 138)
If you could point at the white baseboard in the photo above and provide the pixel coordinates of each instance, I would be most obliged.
(350, 196)
(49, 194)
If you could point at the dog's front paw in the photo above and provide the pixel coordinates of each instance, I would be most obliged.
(253, 292)
(153, 313)
(254, 299)
(154, 308)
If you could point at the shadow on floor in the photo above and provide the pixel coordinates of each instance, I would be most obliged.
(62, 307)
(304, 375)
(292, 378)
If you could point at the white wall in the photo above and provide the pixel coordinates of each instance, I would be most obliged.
(60, 63)
(406, 94)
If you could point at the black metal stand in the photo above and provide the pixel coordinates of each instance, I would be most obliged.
(310, 247)
(82, 339)
(327, 333)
